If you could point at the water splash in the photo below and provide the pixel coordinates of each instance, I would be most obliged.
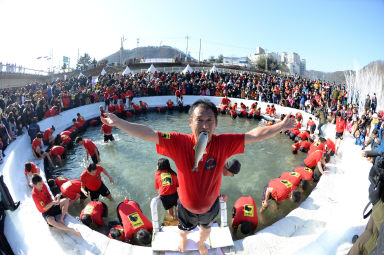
(366, 81)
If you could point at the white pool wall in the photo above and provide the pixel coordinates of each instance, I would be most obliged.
(323, 224)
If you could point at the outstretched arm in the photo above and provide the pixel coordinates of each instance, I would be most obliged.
(260, 133)
(138, 130)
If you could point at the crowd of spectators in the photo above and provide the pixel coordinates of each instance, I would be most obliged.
(22, 107)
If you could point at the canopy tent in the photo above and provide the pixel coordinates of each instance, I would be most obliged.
(213, 69)
(127, 71)
(188, 68)
(151, 69)
(103, 72)
(80, 75)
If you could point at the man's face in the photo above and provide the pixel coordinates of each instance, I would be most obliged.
(39, 186)
(93, 172)
(202, 121)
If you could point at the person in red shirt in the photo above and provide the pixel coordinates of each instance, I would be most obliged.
(107, 132)
(58, 152)
(29, 170)
(304, 146)
(66, 141)
(137, 227)
(111, 108)
(318, 145)
(225, 100)
(279, 190)
(37, 147)
(91, 182)
(90, 148)
(272, 111)
(169, 104)
(117, 232)
(198, 208)
(244, 213)
(50, 208)
(331, 148)
(78, 126)
(94, 212)
(166, 182)
(340, 127)
(317, 158)
(136, 108)
(304, 135)
(80, 119)
(306, 173)
(101, 110)
(293, 177)
(267, 110)
(311, 126)
(48, 138)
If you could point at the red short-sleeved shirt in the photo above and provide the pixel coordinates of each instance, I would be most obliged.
(60, 180)
(331, 145)
(305, 144)
(316, 146)
(281, 188)
(47, 133)
(305, 172)
(95, 209)
(132, 218)
(65, 139)
(293, 177)
(199, 190)
(245, 210)
(70, 189)
(89, 146)
(57, 150)
(340, 125)
(312, 159)
(92, 182)
(33, 169)
(166, 182)
(36, 143)
(106, 129)
(41, 198)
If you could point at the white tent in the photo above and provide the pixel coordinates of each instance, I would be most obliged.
(188, 68)
(213, 69)
(80, 75)
(103, 72)
(151, 69)
(127, 71)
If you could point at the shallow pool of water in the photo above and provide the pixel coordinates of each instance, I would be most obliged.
(132, 162)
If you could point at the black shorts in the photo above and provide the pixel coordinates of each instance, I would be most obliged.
(38, 154)
(46, 143)
(103, 190)
(312, 129)
(108, 137)
(339, 136)
(94, 157)
(302, 149)
(53, 211)
(169, 200)
(188, 221)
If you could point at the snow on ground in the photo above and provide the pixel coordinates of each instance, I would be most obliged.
(323, 224)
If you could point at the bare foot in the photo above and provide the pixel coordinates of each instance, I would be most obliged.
(202, 248)
(182, 244)
(76, 232)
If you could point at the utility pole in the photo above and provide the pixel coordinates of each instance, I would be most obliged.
(199, 50)
(266, 60)
(160, 49)
(186, 52)
(137, 48)
(122, 40)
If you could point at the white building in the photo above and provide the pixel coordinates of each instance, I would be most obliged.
(235, 61)
(303, 67)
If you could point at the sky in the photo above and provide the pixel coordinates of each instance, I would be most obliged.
(332, 35)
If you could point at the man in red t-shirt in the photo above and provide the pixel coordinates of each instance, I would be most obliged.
(306, 173)
(90, 148)
(58, 152)
(317, 158)
(37, 149)
(279, 190)
(49, 207)
(29, 169)
(136, 226)
(48, 138)
(331, 148)
(318, 145)
(198, 208)
(244, 213)
(340, 127)
(91, 182)
(94, 212)
(107, 132)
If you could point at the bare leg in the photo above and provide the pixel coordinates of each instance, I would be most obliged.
(49, 159)
(183, 241)
(172, 212)
(64, 204)
(203, 235)
(51, 221)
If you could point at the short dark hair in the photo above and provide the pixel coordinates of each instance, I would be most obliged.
(36, 178)
(163, 164)
(322, 140)
(246, 227)
(115, 233)
(296, 196)
(327, 158)
(53, 127)
(39, 135)
(51, 183)
(304, 184)
(143, 236)
(73, 120)
(86, 219)
(78, 139)
(206, 105)
(78, 114)
(28, 166)
(91, 167)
